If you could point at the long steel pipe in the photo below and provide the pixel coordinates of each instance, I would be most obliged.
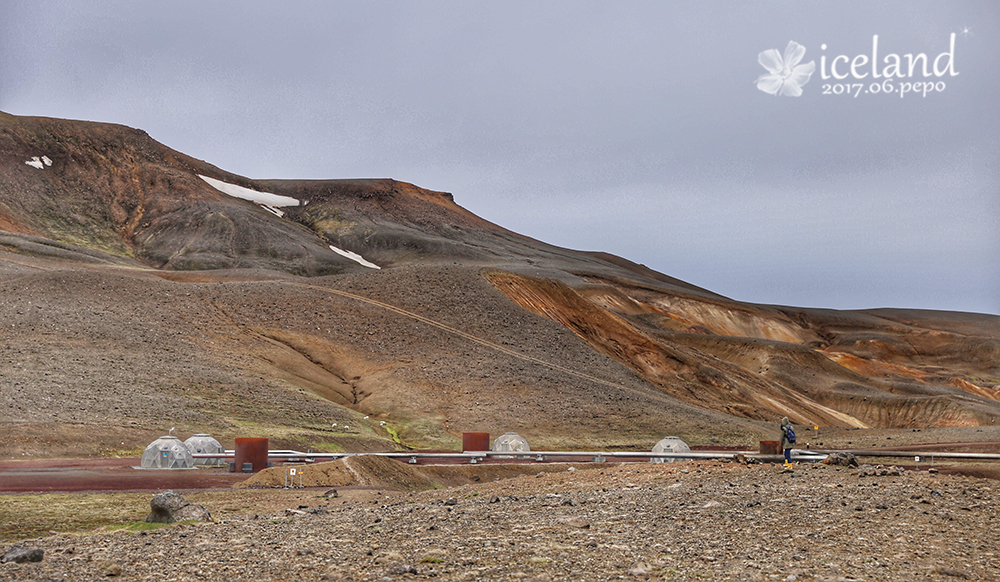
(526, 455)
(921, 454)
(475, 456)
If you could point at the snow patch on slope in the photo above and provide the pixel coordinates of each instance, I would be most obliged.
(354, 257)
(268, 201)
(40, 163)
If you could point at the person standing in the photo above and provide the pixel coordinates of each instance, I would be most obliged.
(787, 440)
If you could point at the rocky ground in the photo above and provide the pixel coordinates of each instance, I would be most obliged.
(708, 520)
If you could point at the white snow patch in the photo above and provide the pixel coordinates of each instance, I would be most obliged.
(354, 257)
(40, 163)
(265, 199)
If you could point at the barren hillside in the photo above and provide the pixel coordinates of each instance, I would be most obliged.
(136, 296)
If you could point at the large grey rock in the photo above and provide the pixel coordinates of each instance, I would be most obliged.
(170, 507)
(21, 554)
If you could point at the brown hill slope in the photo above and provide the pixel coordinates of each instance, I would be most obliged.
(135, 297)
(114, 189)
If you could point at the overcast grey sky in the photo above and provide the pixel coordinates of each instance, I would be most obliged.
(630, 127)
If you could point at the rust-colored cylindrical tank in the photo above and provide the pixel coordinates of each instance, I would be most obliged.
(475, 441)
(250, 451)
(770, 448)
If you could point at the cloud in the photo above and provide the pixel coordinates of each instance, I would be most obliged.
(634, 128)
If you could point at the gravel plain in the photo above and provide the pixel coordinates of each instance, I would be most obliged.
(705, 520)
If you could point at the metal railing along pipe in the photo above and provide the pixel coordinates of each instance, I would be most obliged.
(603, 456)
(921, 454)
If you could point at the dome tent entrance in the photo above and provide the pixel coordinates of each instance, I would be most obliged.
(670, 444)
(167, 452)
(203, 444)
(511, 442)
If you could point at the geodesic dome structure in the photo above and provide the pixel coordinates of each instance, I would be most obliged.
(203, 444)
(511, 442)
(670, 444)
(167, 452)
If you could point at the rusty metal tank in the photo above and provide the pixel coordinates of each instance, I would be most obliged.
(250, 453)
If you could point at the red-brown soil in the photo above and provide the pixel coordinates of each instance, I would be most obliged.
(106, 475)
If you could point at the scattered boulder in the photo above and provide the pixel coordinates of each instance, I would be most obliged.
(880, 471)
(842, 459)
(577, 522)
(21, 555)
(400, 568)
(170, 507)
(390, 558)
(640, 570)
(951, 572)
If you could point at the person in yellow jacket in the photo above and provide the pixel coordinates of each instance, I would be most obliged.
(787, 440)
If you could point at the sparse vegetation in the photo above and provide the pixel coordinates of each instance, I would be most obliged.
(24, 516)
(143, 526)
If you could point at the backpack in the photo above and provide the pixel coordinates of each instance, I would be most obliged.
(789, 434)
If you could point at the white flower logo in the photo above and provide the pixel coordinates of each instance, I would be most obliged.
(786, 76)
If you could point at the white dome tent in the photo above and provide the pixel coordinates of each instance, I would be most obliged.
(511, 442)
(167, 452)
(204, 444)
(670, 444)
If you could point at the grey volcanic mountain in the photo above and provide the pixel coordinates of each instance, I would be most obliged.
(142, 289)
